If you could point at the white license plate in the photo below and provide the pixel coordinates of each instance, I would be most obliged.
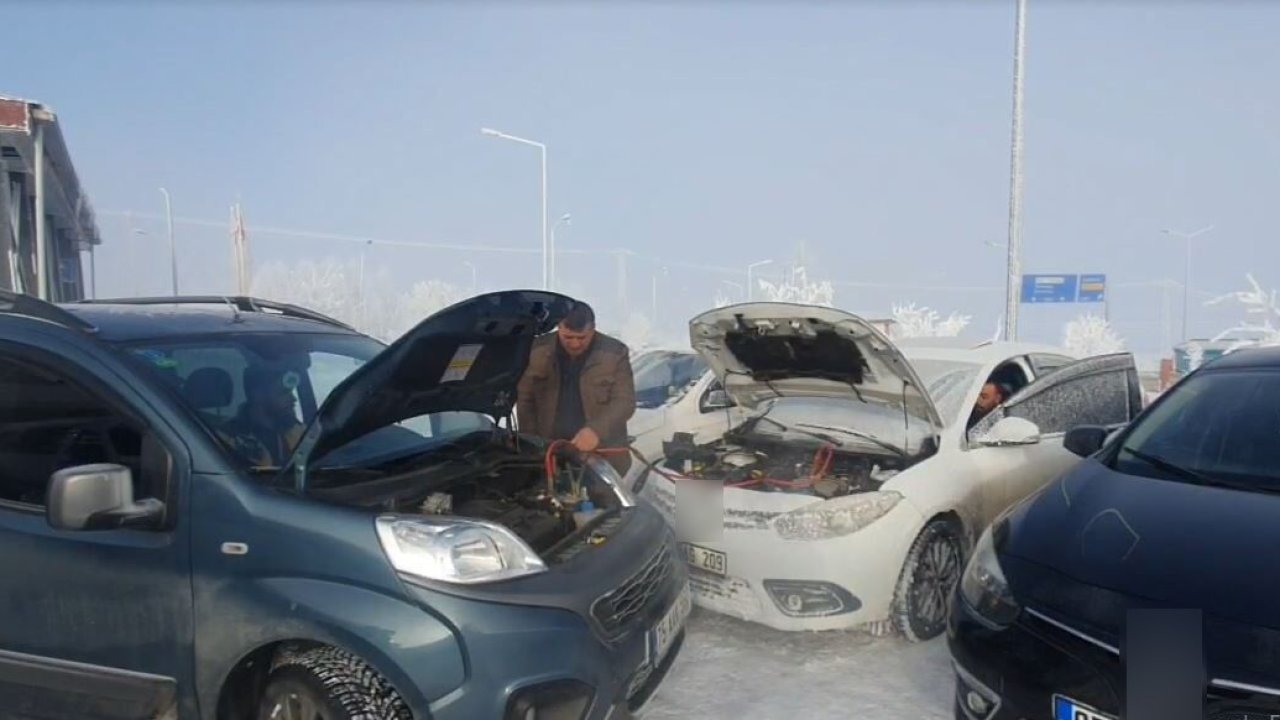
(1068, 709)
(665, 632)
(706, 559)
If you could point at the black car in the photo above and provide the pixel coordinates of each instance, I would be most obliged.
(1178, 511)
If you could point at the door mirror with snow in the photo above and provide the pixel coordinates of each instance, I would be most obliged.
(1011, 431)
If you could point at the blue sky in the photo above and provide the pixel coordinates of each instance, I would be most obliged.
(714, 133)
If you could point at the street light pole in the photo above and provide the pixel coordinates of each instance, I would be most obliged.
(1186, 272)
(1013, 281)
(565, 219)
(750, 269)
(546, 269)
(173, 248)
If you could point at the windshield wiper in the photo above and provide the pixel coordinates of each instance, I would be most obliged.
(1182, 472)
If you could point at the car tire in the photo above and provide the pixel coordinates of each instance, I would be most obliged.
(922, 599)
(326, 683)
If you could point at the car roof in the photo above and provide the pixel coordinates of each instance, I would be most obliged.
(985, 353)
(1249, 357)
(133, 319)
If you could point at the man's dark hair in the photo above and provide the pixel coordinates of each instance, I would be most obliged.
(580, 317)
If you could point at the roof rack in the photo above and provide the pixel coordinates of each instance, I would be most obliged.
(239, 303)
(31, 306)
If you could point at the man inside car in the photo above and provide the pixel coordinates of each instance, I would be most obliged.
(266, 429)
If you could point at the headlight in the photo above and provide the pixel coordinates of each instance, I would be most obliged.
(836, 518)
(455, 550)
(983, 586)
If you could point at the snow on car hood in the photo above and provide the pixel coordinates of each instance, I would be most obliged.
(760, 351)
(467, 357)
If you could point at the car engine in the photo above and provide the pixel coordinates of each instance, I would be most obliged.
(779, 467)
(541, 500)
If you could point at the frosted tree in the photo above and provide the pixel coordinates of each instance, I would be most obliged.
(1261, 324)
(423, 300)
(326, 286)
(912, 322)
(1090, 335)
(797, 288)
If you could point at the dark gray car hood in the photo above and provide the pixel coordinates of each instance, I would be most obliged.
(467, 357)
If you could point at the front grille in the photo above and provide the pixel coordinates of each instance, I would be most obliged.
(617, 607)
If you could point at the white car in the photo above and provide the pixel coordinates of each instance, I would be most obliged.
(851, 492)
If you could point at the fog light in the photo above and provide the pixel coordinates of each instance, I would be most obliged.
(978, 705)
(559, 700)
(800, 598)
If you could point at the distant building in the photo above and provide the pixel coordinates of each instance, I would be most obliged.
(44, 213)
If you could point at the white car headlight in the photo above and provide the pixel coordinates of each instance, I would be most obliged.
(836, 518)
(455, 550)
(983, 585)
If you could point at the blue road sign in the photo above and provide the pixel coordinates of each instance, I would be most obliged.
(1038, 289)
(1050, 288)
(1093, 289)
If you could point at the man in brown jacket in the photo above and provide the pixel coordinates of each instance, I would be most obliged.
(579, 387)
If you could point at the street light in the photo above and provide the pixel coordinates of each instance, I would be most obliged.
(173, 249)
(543, 149)
(1186, 271)
(565, 219)
(751, 268)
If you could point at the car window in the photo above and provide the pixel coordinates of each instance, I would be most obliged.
(245, 388)
(948, 383)
(49, 422)
(1097, 391)
(1223, 424)
(662, 379)
(1044, 363)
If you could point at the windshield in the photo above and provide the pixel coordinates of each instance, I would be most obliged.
(805, 415)
(1220, 425)
(257, 392)
(948, 382)
(660, 377)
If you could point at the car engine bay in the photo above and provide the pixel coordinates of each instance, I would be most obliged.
(826, 472)
(544, 498)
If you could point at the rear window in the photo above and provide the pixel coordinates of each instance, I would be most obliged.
(1222, 424)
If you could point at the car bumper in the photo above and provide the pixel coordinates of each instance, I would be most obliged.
(849, 580)
(1019, 670)
(517, 655)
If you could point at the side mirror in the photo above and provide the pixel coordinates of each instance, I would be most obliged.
(97, 497)
(1086, 440)
(1011, 431)
(716, 400)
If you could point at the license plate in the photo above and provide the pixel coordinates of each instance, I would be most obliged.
(706, 559)
(665, 632)
(1068, 709)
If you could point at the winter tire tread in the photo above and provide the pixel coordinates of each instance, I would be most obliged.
(347, 684)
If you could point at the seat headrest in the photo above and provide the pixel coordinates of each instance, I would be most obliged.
(208, 388)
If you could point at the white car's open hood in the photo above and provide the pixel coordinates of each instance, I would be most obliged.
(761, 351)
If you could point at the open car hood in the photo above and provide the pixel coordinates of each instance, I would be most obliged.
(467, 357)
(761, 351)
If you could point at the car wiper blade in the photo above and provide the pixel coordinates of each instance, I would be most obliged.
(858, 434)
(824, 437)
(1171, 467)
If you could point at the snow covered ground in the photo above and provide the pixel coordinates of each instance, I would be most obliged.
(739, 671)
